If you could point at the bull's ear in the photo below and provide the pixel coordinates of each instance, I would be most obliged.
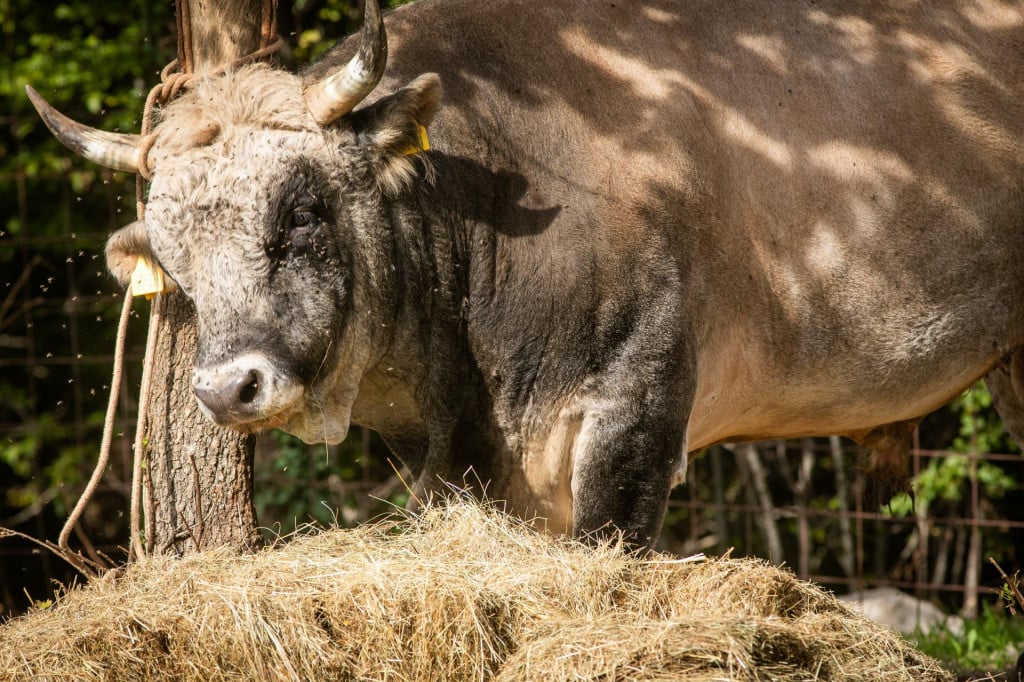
(125, 247)
(394, 129)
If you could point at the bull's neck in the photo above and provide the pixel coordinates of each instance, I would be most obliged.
(422, 331)
(444, 235)
(441, 235)
(447, 234)
(431, 268)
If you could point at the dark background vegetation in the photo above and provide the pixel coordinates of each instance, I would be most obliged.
(95, 62)
(58, 308)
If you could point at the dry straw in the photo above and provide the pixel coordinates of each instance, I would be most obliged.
(459, 593)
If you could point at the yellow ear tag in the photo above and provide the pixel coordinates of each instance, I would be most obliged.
(147, 279)
(423, 142)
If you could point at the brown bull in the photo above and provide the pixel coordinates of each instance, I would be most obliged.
(644, 228)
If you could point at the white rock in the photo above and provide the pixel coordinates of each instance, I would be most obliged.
(889, 606)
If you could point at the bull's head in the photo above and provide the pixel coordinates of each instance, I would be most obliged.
(269, 208)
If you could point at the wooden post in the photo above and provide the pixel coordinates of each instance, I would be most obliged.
(199, 477)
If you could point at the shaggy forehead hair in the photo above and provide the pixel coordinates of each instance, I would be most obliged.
(253, 96)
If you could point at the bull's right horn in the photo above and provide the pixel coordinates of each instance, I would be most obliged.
(334, 96)
(119, 151)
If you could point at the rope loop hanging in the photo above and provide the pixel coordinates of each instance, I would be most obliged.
(172, 83)
(170, 86)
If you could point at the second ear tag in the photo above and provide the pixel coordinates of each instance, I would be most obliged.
(422, 142)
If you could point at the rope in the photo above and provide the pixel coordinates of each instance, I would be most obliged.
(137, 547)
(108, 427)
(171, 84)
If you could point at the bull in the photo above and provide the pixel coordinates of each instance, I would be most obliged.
(641, 229)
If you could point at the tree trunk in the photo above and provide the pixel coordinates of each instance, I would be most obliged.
(718, 483)
(766, 516)
(199, 476)
(220, 32)
(803, 500)
(972, 572)
(847, 558)
(945, 546)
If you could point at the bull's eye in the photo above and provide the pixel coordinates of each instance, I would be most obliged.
(302, 219)
(301, 227)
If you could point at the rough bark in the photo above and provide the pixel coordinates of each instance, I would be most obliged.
(200, 480)
(200, 474)
(222, 31)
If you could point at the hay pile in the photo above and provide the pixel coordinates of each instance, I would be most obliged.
(460, 593)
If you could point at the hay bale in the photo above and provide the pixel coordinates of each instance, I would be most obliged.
(459, 593)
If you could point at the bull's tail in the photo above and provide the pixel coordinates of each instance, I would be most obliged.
(888, 460)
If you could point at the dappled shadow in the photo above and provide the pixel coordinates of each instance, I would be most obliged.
(624, 68)
(847, 175)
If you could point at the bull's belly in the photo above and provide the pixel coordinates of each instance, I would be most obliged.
(757, 407)
(741, 395)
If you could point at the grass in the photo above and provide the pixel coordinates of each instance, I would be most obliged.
(989, 644)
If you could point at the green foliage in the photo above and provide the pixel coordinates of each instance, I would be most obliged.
(301, 484)
(1011, 593)
(293, 498)
(990, 643)
(315, 24)
(981, 430)
(948, 478)
(320, 24)
(90, 60)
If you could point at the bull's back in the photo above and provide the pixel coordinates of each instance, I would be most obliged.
(812, 142)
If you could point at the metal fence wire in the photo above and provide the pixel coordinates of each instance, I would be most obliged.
(802, 504)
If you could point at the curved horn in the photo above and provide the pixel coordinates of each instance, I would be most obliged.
(119, 151)
(337, 94)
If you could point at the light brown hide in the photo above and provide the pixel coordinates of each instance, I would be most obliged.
(840, 182)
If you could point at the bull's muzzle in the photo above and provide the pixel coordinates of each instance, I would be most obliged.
(245, 391)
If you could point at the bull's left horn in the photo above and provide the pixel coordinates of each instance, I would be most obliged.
(336, 95)
(119, 151)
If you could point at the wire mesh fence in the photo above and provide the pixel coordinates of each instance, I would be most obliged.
(803, 503)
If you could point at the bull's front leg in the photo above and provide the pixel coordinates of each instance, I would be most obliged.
(632, 442)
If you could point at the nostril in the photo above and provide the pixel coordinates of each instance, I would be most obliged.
(244, 390)
(250, 389)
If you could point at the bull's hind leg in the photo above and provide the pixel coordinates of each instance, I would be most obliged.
(1006, 384)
